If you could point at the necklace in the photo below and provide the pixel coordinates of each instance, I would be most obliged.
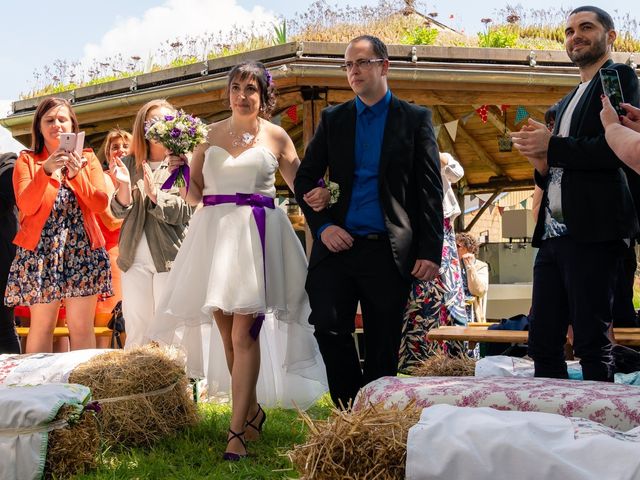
(243, 139)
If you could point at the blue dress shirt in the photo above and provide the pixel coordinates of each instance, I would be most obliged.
(365, 215)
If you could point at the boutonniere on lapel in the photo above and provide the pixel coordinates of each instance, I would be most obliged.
(333, 187)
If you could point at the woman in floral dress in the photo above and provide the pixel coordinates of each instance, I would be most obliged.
(60, 252)
(441, 300)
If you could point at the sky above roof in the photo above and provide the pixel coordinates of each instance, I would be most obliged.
(80, 31)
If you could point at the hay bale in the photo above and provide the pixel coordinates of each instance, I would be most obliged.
(441, 365)
(74, 448)
(370, 443)
(159, 405)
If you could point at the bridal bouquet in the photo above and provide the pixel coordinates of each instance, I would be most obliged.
(181, 134)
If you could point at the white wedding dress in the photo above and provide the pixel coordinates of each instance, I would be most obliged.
(220, 266)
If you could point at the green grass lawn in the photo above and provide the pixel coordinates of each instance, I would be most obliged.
(197, 453)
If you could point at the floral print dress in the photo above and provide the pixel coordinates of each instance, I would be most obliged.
(63, 264)
(437, 302)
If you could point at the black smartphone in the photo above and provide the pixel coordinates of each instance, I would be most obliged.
(612, 89)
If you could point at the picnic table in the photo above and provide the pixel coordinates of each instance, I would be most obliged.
(481, 333)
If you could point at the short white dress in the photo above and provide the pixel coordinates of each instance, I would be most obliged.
(220, 267)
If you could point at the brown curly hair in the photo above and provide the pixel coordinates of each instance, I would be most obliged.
(257, 71)
(468, 241)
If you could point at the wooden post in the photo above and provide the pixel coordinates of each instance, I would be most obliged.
(311, 109)
(484, 207)
(459, 221)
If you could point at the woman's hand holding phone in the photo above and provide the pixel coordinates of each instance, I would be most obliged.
(55, 162)
(632, 118)
(74, 163)
(608, 114)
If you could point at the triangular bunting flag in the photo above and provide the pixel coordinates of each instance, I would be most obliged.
(501, 210)
(436, 130)
(292, 113)
(482, 112)
(491, 209)
(481, 203)
(524, 203)
(504, 108)
(452, 129)
(521, 113)
(277, 119)
(472, 197)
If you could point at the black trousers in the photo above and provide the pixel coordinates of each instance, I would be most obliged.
(573, 284)
(624, 313)
(9, 342)
(366, 273)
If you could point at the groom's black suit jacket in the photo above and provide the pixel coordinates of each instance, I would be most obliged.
(598, 190)
(409, 181)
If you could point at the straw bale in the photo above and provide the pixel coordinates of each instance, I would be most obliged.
(441, 365)
(138, 373)
(74, 448)
(367, 444)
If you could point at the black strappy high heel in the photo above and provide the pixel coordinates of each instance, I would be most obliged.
(234, 457)
(250, 423)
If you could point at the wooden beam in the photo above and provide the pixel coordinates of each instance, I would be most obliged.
(505, 185)
(459, 220)
(311, 110)
(455, 94)
(483, 209)
(479, 149)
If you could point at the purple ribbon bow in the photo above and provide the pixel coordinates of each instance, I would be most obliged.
(257, 203)
(182, 170)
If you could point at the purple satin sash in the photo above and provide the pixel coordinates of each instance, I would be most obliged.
(186, 174)
(257, 203)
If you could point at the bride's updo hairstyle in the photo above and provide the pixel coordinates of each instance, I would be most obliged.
(257, 71)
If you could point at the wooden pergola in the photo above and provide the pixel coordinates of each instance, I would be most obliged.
(452, 81)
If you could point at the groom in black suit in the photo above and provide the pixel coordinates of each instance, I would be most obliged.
(587, 218)
(386, 227)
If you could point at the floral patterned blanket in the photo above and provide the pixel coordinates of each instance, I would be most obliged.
(613, 405)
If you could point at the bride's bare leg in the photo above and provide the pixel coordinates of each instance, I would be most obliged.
(225, 324)
(244, 375)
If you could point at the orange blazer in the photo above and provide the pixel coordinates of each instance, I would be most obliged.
(36, 193)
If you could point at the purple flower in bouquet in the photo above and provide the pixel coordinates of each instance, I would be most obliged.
(180, 134)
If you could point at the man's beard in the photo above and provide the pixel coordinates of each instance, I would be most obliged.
(591, 54)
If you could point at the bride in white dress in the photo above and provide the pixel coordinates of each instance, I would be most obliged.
(219, 271)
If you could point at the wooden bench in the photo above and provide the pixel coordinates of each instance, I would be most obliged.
(102, 318)
(623, 336)
(64, 331)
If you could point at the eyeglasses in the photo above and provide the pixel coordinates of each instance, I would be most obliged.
(361, 64)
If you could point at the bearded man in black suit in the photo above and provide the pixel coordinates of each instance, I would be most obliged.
(587, 219)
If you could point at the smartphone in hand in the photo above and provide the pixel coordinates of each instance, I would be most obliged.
(612, 88)
(70, 142)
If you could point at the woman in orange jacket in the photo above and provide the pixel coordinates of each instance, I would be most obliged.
(60, 251)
